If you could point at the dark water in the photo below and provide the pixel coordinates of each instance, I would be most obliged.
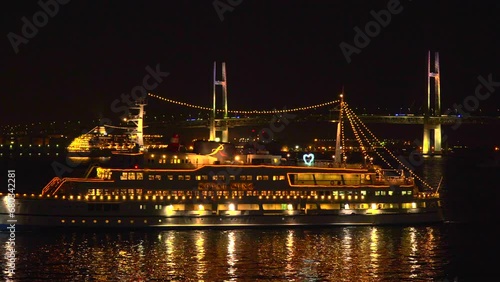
(462, 249)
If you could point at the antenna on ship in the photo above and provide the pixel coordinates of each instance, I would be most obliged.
(439, 185)
(338, 148)
(138, 120)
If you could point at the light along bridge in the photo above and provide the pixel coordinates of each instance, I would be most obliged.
(432, 120)
(261, 120)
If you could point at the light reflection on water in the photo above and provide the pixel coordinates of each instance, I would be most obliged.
(413, 253)
(334, 254)
(200, 255)
(231, 256)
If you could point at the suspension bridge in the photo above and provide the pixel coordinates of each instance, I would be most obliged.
(219, 121)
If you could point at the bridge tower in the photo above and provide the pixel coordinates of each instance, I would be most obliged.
(218, 123)
(432, 112)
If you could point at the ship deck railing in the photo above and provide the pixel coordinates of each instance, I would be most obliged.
(56, 183)
(53, 184)
(329, 164)
(393, 180)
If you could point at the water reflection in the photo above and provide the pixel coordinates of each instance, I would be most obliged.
(9, 255)
(334, 254)
(200, 254)
(231, 258)
(431, 170)
(374, 251)
(290, 239)
(412, 257)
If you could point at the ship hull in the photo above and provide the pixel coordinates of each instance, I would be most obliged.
(68, 218)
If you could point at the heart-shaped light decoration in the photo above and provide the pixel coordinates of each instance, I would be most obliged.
(308, 159)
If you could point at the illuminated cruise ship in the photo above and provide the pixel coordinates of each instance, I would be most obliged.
(216, 185)
(98, 143)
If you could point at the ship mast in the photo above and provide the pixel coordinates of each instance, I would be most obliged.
(338, 148)
(138, 120)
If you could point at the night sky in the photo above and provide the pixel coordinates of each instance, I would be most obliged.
(278, 53)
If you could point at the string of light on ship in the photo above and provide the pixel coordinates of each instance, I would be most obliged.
(358, 138)
(352, 118)
(246, 112)
(351, 114)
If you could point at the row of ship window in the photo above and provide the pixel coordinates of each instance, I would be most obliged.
(115, 207)
(139, 176)
(170, 161)
(181, 193)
